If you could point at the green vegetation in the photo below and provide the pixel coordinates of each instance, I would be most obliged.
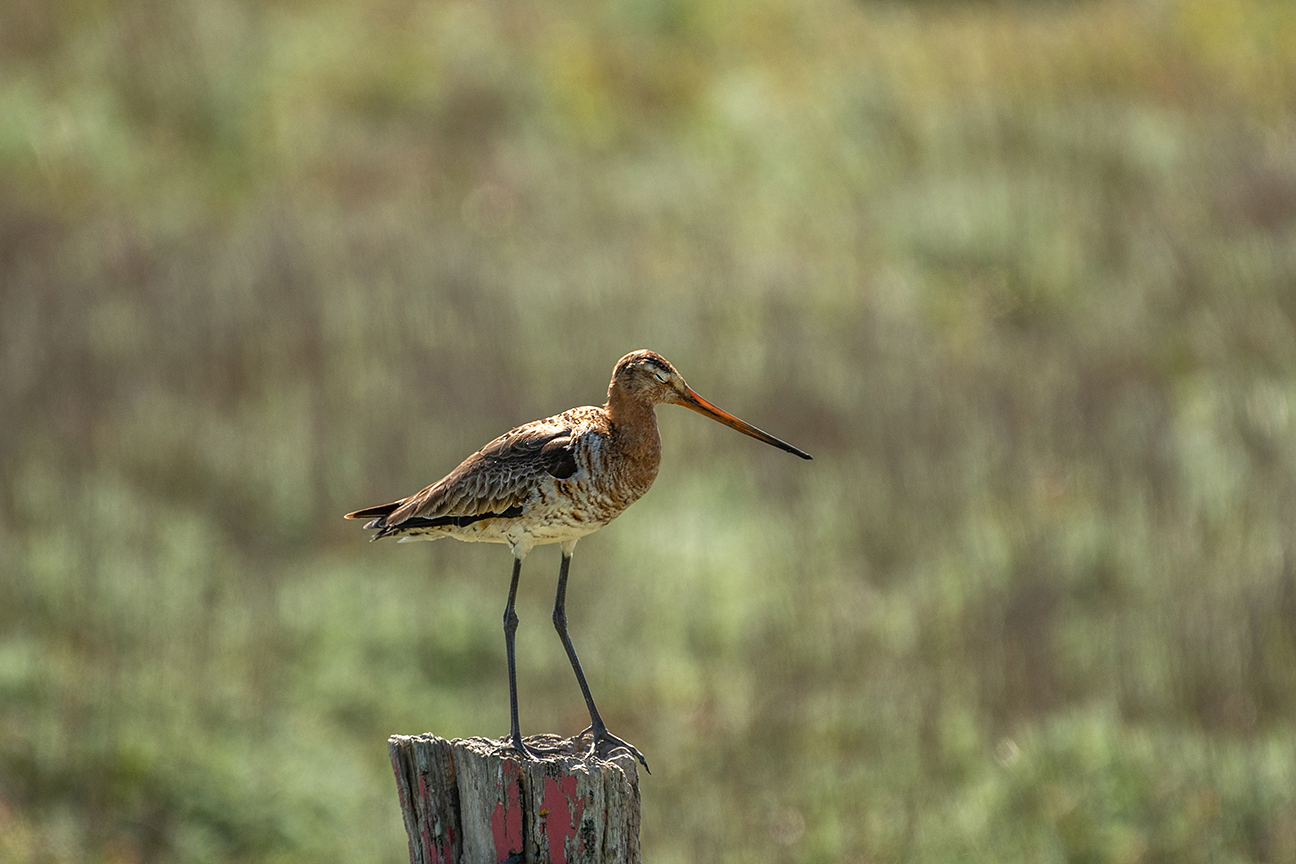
(1021, 276)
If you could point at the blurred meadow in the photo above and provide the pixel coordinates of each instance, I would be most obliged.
(1020, 275)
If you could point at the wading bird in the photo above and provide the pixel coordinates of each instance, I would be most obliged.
(554, 481)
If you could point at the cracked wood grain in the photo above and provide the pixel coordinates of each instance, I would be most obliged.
(472, 801)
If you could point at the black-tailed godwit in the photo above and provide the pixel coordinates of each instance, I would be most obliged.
(554, 481)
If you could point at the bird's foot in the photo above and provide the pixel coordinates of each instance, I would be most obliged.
(525, 750)
(603, 743)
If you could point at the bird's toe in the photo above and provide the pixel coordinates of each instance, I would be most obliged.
(605, 744)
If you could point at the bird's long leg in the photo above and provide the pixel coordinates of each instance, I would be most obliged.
(603, 740)
(510, 628)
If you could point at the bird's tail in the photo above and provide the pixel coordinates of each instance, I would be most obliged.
(376, 515)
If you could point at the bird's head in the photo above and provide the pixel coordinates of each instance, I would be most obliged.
(646, 376)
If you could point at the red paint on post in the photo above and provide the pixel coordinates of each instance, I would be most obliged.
(445, 853)
(424, 801)
(562, 819)
(506, 821)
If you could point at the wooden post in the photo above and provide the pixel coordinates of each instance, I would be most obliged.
(472, 801)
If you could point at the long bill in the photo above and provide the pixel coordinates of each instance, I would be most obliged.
(694, 402)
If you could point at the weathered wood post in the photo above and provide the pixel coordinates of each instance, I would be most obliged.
(472, 801)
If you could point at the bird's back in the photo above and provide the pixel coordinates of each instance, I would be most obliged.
(548, 481)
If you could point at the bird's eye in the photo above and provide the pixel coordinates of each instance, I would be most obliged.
(660, 375)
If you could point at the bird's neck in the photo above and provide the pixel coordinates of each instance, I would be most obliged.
(635, 426)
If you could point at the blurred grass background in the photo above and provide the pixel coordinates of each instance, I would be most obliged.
(1021, 276)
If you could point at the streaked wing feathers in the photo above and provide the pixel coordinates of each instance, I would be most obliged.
(500, 477)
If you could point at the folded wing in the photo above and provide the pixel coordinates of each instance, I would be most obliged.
(495, 482)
